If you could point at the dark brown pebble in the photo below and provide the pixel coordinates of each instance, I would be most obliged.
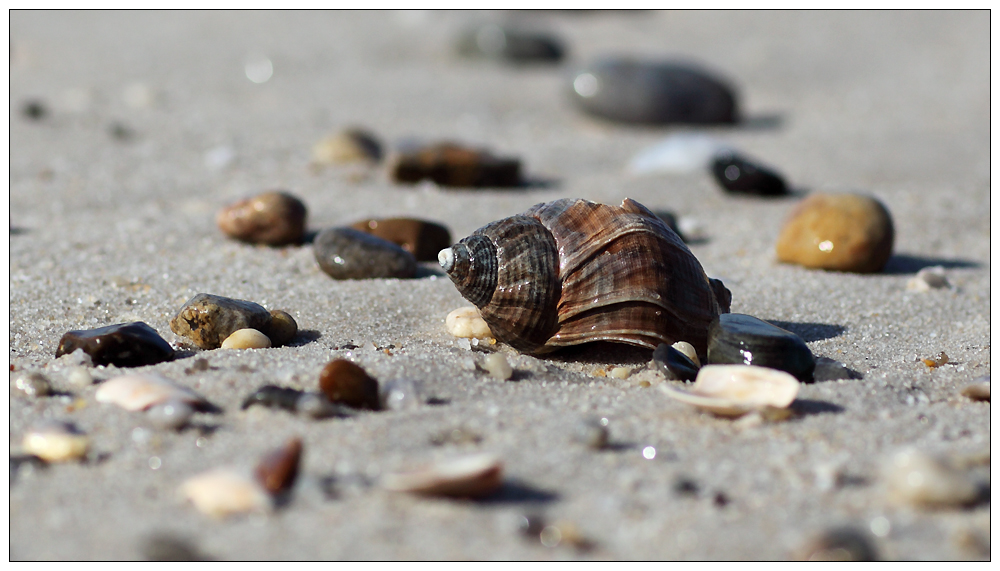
(346, 383)
(449, 164)
(123, 345)
(278, 468)
(209, 319)
(421, 238)
(738, 175)
(272, 218)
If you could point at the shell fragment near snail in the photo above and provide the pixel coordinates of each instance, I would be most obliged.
(735, 390)
(573, 271)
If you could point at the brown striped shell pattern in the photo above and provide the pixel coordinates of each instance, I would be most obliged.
(574, 271)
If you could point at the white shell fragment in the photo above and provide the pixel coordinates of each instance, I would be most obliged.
(498, 367)
(678, 153)
(620, 372)
(927, 279)
(223, 491)
(141, 391)
(246, 339)
(735, 390)
(688, 351)
(55, 442)
(469, 476)
(914, 477)
(466, 322)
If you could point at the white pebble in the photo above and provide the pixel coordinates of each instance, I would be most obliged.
(927, 279)
(80, 377)
(55, 442)
(498, 367)
(401, 394)
(463, 343)
(620, 372)
(917, 478)
(141, 391)
(222, 492)
(466, 322)
(170, 415)
(246, 339)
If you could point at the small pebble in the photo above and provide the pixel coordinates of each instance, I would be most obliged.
(830, 370)
(674, 364)
(591, 432)
(470, 476)
(142, 391)
(349, 254)
(123, 345)
(740, 176)
(421, 238)
(80, 377)
(316, 405)
(841, 232)
(633, 91)
(498, 367)
(510, 44)
(283, 328)
(208, 319)
(564, 533)
(170, 415)
(32, 385)
(465, 322)
(678, 153)
(449, 164)
(914, 477)
(162, 547)
(272, 218)
(685, 487)
(24, 465)
(839, 544)
(246, 339)
(55, 442)
(349, 146)
(34, 109)
(401, 394)
(272, 396)
(223, 492)
(344, 382)
(278, 469)
(530, 525)
(940, 359)
(978, 391)
(734, 338)
(927, 279)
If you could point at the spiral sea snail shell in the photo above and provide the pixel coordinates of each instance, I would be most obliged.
(574, 271)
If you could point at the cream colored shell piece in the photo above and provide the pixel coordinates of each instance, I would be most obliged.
(466, 322)
(55, 443)
(141, 391)
(914, 477)
(223, 491)
(735, 390)
(246, 339)
(468, 476)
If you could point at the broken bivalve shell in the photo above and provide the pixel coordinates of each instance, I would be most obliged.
(222, 492)
(470, 476)
(735, 390)
(139, 392)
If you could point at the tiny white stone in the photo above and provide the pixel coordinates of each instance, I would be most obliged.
(246, 339)
(466, 322)
(498, 367)
(80, 377)
(141, 391)
(620, 372)
(222, 492)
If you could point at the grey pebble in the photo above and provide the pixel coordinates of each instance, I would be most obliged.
(32, 385)
(349, 254)
(166, 547)
(591, 432)
(510, 44)
(830, 370)
(734, 338)
(401, 394)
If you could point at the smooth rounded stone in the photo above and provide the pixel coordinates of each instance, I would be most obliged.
(80, 377)
(978, 391)
(55, 441)
(344, 382)
(473, 476)
(841, 232)
(316, 405)
(735, 338)
(170, 415)
(450, 164)
(208, 319)
(635, 91)
(348, 146)
(421, 238)
(23, 465)
(223, 492)
(465, 322)
(272, 218)
(498, 367)
(735, 390)
(401, 394)
(838, 544)
(927, 279)
(510, 44)
(32, 385)
(142, 391)
(349, 254)
(163, 547)
(278, 469)
(674, 364)
(677, 153)
(917, 478)
(591, 432)
(283, 328)
(272, 396)
(123, 345)
(34, 109)
(246, 339)
(739, 175)
(830, 370)
(620, 372)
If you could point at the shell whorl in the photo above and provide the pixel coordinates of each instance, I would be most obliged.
(472, 265)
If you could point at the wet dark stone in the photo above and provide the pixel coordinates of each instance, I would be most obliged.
(421, 238)
(123, 345)
(830, 370)
(343, 382)
(273, 396)
(208, 319)
(34, 110)
(349, 254)
(448, 164)
(738, 175)
(636, 91)
(839, 544)
(510, 44)
(674, 364)
(278, 468)
(735, 338)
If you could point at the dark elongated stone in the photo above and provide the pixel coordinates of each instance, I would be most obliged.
(278, 468)
(123, 345)
(349, 254)
(208, 319)
(448, 164)
(273, 396)
(510, 44)
(734, 338)
(636, 91)
(421, 238)
(346, 383)
(738, 175)
(673, 363)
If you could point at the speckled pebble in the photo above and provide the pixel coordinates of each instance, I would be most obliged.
(208, 319)
(246, 339)
(465, 322)
(349, 254)
(422, 238)
(498, 367)
(123, 345)
(31, 385)
(54, 441)
(272, 218)
(344, 382)
(450, 164)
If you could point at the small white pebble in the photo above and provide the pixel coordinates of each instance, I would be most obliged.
(80, 377)
(466, 322)
(246, 339)
(620, 372)
(463, 343)
(55, 442)
(498, 367)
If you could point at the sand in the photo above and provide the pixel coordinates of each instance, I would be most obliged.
(153, 125)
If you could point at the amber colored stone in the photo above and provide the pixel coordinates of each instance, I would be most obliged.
(279, 467)
(346, 383)
(273, 218)
(842, 232)
(448, 164)
(421, 238)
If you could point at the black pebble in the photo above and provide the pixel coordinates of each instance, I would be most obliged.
(273, 396)
(738, 175)
(34, 110)
(123, 345)
(671, 360)
(510, 44)
(734, 338)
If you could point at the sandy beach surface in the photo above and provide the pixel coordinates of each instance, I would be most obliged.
(152, 124)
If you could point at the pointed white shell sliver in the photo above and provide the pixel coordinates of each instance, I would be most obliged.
(141, 391)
